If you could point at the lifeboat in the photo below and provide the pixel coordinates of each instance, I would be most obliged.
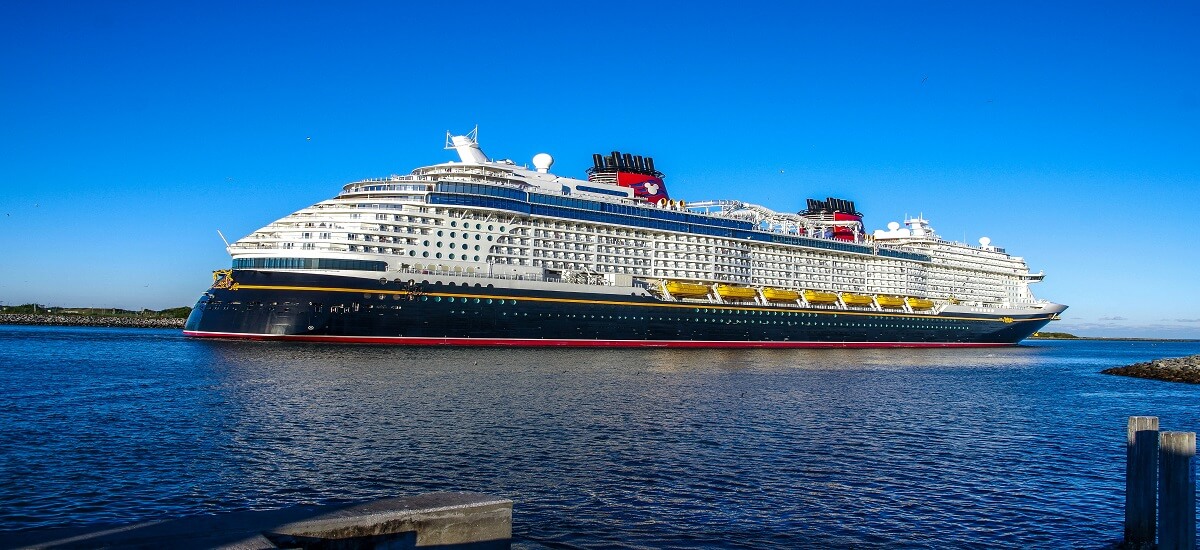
(780, 295)
(919, 303)
(733, 292)
(890, 301)
(682, 289)
(817, 297)
(856, 299)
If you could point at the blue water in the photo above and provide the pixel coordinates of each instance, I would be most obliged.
(1006, 447)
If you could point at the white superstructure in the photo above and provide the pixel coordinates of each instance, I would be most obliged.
(423, 222)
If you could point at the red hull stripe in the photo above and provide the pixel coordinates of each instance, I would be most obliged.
(546, 343)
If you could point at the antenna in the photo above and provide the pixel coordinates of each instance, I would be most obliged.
(223, 238)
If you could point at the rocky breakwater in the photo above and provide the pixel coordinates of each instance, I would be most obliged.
(1180, 369)
(89, 320)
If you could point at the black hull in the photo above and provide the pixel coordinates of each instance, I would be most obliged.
(316, 307)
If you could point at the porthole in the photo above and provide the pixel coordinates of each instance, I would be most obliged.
(412, 252)
(424, 298)
(451, 245)
(453, 234)
(425, 254)
(437, 298)
(489, 301)
(453, 224)
(476, 300)
(491, 227)
(452, 256)
(439, 255)
(477, 236)
(426, 243)
(477, 258)
(439, 233)
(489, 237)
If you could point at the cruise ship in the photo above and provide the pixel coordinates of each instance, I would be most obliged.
(483, 252)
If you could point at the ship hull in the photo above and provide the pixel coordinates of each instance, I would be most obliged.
(274, 305)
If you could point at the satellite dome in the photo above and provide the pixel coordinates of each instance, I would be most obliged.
(984, 241)
(543, 162)
(892, 226)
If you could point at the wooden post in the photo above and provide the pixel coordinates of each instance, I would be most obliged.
(1177, 491)
(1141, 480)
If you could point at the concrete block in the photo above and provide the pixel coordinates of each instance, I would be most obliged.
(442, 520)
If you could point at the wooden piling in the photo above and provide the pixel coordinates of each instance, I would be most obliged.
(1177, 491)
(1141, 480)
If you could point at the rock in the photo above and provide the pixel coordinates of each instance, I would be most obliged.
(1180, 369)
(89, 321)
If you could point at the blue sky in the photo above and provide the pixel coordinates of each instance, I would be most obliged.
(1068, 133)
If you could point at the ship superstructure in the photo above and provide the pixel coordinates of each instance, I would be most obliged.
(374, 262)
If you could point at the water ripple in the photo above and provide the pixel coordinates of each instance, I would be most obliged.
(640, 448)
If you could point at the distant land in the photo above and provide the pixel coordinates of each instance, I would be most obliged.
(171, 313)
(1069, 336)
(38, 314)
(1054, 336)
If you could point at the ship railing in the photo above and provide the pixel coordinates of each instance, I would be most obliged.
(476, 275)
(442, 271)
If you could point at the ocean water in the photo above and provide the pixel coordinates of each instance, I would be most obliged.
(1010, 447)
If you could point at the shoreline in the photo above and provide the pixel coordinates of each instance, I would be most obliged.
(1115, 339)
(42, 319)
